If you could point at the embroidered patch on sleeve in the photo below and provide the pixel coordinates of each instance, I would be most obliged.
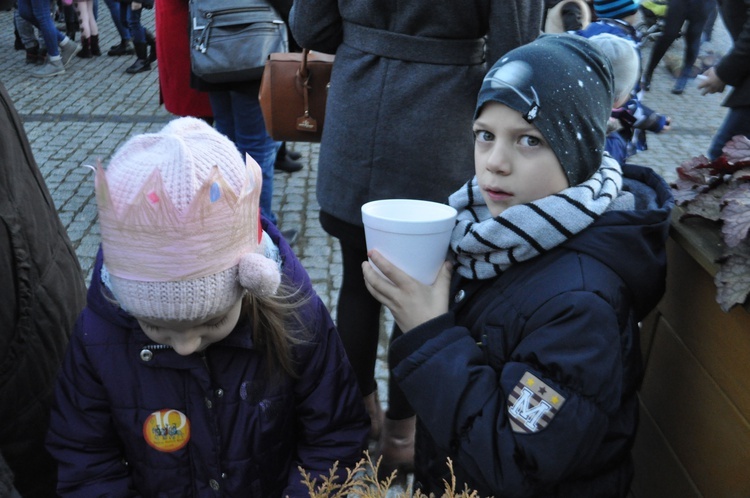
(532, 404)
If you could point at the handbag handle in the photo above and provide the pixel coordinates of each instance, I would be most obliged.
(303, 64)
(305, 122)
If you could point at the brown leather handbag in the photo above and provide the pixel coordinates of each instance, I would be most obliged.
(293, 92)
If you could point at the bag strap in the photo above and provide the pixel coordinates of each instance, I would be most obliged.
(466, 52)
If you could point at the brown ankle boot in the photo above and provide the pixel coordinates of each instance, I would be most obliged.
(85, 52)
(397, 445)
(94, 44)
(375, 411)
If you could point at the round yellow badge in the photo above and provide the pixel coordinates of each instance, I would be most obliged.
(167, 430)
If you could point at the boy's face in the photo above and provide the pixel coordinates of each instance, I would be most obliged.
(191, 336)
(513, 162)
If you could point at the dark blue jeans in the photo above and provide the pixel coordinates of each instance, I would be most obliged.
(114, 11)
(737, 122)
(37, 12)
(238, 116)
(136, 28)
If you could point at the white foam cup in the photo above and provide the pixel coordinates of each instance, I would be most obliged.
(413, 235)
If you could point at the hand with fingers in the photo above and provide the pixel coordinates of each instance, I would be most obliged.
(411, 302)
(709, 82)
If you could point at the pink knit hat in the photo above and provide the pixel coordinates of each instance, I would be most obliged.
(180, 225)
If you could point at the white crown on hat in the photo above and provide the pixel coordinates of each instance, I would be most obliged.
(146, 238)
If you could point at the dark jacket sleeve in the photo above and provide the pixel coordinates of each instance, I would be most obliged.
(317, 25)
(330, 411)
(571, 343)
(734, 67)
(82, 437)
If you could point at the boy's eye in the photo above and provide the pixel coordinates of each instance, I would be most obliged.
(530, 141)
(483, 136)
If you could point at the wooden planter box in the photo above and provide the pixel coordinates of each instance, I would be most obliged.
(694, 434)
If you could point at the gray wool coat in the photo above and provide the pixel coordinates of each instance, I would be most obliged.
(402, 95)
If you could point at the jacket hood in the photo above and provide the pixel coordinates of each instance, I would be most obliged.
(632, 243)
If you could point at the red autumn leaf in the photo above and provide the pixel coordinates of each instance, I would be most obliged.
(735, 213)
(693, 170)
(737, 149)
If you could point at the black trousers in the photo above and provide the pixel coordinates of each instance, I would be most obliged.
(358, 315)
(695, 13)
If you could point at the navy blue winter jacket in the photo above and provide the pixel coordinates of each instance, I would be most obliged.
(132, 418)
(529, 382)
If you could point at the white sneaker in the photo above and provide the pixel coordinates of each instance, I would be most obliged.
(68, 50)
(50, 68)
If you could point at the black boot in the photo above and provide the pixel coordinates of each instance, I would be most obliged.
(124, 48)
(151, 42)
(141, 64)
(94, 43)
(33, 55)
(18, 45)
(85, 52)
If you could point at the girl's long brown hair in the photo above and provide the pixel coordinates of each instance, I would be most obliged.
(277, 327)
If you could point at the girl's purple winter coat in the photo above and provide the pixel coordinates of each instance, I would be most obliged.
(132, 418)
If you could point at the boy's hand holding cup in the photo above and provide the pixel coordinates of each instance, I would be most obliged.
(407, 243)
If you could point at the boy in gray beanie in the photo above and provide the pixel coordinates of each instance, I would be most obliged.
(527, 343)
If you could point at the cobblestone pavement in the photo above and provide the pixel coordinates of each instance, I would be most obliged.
(81, 117)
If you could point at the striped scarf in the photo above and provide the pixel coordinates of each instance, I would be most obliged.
(487, 246)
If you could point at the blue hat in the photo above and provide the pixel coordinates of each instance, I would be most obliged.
(615, 9)
(563, 85)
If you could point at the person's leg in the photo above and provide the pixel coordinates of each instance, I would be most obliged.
(83, 18)
(708, 29)
(27, 34)
(676, 14)
(119, 11)
(114, 12)
(136, 28)
(736, 122)
(72, 20)
(37, 13)
(358, 317)
(244, 119)
(696, 22)
(25, 30)
(93, 27)
(139, 40)
(696, 15)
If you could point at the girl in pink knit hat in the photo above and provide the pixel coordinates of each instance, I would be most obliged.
(204, 364)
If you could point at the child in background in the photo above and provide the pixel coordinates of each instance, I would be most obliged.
(626, 72)
(204, 364)
(523, 365)
(619, 18)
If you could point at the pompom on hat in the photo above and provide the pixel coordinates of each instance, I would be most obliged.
(180, 226)
(563, 85)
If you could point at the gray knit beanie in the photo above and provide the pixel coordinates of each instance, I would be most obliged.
(563, 85)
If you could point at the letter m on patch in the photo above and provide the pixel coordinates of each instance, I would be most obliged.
(532, 404)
